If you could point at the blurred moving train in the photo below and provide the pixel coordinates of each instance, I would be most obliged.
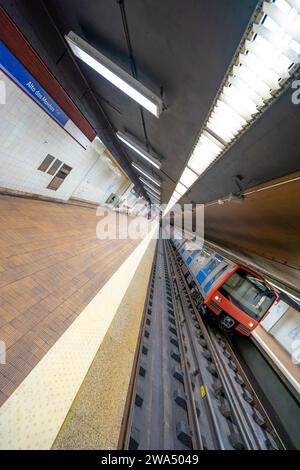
(239, 297)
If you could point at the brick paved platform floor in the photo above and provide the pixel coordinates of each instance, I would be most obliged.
(51, 266)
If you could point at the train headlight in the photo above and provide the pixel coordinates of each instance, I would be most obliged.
(250, 324)
(218, 298)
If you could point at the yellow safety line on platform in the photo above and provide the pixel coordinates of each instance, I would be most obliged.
(34, 413)
(96, 415)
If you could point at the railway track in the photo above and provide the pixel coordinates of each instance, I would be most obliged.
(188, 389)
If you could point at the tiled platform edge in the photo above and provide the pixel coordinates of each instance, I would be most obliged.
(33, 415)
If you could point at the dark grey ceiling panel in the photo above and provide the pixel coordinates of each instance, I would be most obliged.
(269, 149)
(179, 49)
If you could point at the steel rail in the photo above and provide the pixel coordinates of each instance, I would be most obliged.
(157, 417)
(167, 281)
(244, 422)
(210, 408)
(269, 426)
(192, 411)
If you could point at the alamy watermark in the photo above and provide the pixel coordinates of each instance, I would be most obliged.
(113, 225)
(296, 93)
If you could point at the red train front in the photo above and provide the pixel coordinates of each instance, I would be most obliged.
(238, 296)
(243, 298)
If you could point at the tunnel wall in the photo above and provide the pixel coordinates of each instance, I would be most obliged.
(264, 229)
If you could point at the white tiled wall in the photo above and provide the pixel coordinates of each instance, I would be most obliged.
(77, 134)
(100, 182)
(28, 134)
(127, 200)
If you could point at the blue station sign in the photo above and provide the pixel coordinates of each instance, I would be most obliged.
(19, 74)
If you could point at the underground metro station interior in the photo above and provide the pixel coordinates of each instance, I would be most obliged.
(150, 230)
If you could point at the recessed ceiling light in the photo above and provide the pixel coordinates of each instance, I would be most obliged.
(266, 60)
(188, 177)
(181, 189)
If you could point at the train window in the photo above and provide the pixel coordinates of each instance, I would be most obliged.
(191, 255)
(208, 268)
(199, 261)
(212, 281)
(249, 293)
(203, 256)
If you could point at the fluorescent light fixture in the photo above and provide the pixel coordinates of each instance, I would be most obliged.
(152, 193)
(139, 150)
(188, 177)
(145, 173)
(114, 74)
(150, 185)
(205, 152)
(270, 55)
(181, 189)
(176, 195)
(266, 62)
(155, 200)
(152, 189)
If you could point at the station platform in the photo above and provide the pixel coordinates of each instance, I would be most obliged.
(71, 310)
(51, 266)
(279, 359)
(65, 289)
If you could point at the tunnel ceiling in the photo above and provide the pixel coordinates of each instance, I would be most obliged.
(181, 50)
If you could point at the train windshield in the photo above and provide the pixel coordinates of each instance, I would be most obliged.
(249, 293)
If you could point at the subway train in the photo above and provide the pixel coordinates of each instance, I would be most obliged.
(237, 297)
